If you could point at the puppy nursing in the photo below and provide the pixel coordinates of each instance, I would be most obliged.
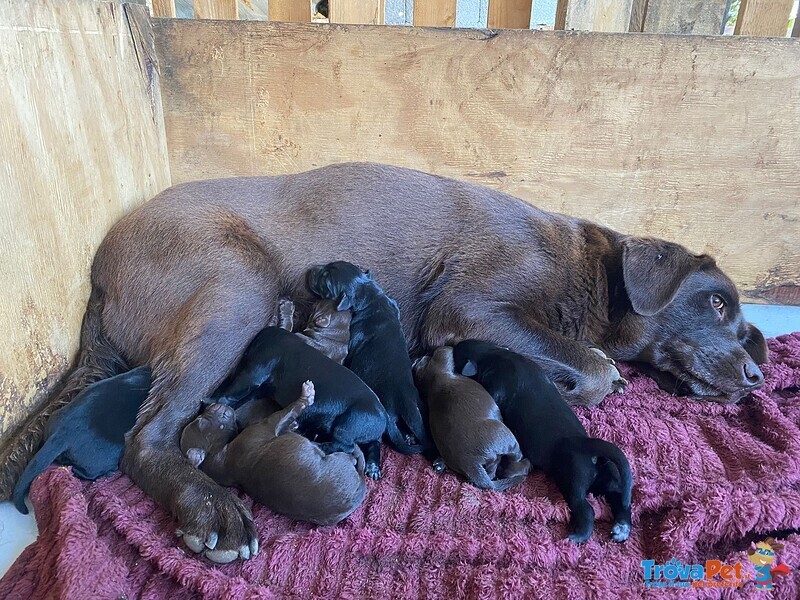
(275, 466)
(467, 427)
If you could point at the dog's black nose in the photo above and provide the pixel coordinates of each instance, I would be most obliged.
(752, 375)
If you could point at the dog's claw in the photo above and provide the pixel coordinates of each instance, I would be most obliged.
(193, 542)
(244, 552)
(222, 556)
(619, 385)
(254, 548)
(620, 532)
(211, 540)
(372, 471)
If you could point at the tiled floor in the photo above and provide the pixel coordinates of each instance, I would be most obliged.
(17, 531)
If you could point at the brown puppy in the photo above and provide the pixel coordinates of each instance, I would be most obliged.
(327, 329)
(467, 427)
(186, 281)
(278, 468)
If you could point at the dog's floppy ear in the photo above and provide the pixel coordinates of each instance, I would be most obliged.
(470, 369)
(345, 303)
(653, 271)
(196, 456)
(756, 345)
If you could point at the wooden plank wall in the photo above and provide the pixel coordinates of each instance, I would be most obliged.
(699, 17)
(764, 17)
(594, 15)
(646, 134)
(216, 9)
(296, 11)
(81, 144)
(365, 12)
(435, 13)
(509, 14)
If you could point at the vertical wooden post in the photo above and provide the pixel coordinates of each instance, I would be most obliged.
(685, 16)
(594, 15)
(763, 17)
(509, 14)
(367, 12)
(435, 13)
(216, 9)
(638, 12)
(164, 8)
(296, 11)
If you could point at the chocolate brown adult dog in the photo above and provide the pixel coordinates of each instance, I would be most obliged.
(467, 427)
(185, 281)
(278, 468)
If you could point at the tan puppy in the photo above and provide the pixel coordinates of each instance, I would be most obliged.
(467, 427)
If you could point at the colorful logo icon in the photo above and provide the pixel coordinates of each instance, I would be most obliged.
(763, 557)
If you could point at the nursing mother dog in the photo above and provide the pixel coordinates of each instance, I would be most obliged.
(184, 283)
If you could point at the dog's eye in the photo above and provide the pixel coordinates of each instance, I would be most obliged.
(717, 302)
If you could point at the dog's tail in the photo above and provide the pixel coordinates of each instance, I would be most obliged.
(48, 453)
(603, 449)
(398, 440)
(96, 360)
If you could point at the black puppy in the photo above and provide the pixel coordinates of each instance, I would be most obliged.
(345, 412)
(89, 432)
(378, 352)
(551, 436)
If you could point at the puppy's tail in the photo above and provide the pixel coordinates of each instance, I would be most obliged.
(514, 471)
(398, 440)
(48, 453)
(603, 449)
(97, 359)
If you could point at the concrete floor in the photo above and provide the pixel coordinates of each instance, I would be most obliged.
(17, 531)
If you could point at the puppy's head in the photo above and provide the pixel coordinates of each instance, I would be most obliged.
(687, 323)
(208, 433)
(439, 364)
(326, 316)
(338, 281)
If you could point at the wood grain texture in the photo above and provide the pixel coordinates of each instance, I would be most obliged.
(638, 12)
(164, 8)
(594, 15)
(81, 144)
(764, 17)
(699, 17)
(364, 12)
(509, 14)
(295, 11)
(435, 13)
(216, 9)
(643, 133)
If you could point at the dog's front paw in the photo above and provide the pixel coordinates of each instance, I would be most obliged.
(372, 470)
(618, 382)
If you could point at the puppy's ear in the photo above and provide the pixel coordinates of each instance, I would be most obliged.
(653, 271)
(196, 456)
(344, 303)
(756, 345)
(470, 369)
(368, 273)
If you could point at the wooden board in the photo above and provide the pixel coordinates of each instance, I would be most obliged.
(164, 8)
(435, 13)
(368, 12)
(216, 9)
(699, 17)
(297, 11)
(638, 11)
(764, 17)
(509, 14)
(594, 15)
(81, 144)
(643, 133)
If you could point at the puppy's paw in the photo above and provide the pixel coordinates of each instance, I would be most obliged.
(373, 471)
(438, 465)
(620, 532)
(578, 538)
(410, 439)
(307, 393)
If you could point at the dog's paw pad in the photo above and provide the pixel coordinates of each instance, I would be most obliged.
(620, 532)
(222, 557)
(372, 471)
(194, 543)
(619, 385)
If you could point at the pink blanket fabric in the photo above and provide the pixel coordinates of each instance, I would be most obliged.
(709, 481)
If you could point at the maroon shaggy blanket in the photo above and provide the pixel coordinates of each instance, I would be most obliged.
(710, 481)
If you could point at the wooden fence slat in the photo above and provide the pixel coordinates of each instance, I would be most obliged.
(295, 11)
(216, 9)
(164, 8)
(796, 26)
(435, 13)
(367, 12)
(699, 17)
(638, 11)
(594, 15)
(509, 14)
(763, 17)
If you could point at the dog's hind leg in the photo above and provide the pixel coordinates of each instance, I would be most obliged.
(574, 476)
(607, 484)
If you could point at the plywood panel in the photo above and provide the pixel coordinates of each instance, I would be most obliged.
(594, 15)
(699, 17)
(509, 14)
(366, 12)
(644, 133)
(216, 9)
(297, 11)
(764, 17)
(164, 8)
(81, 144)
(435, 13)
